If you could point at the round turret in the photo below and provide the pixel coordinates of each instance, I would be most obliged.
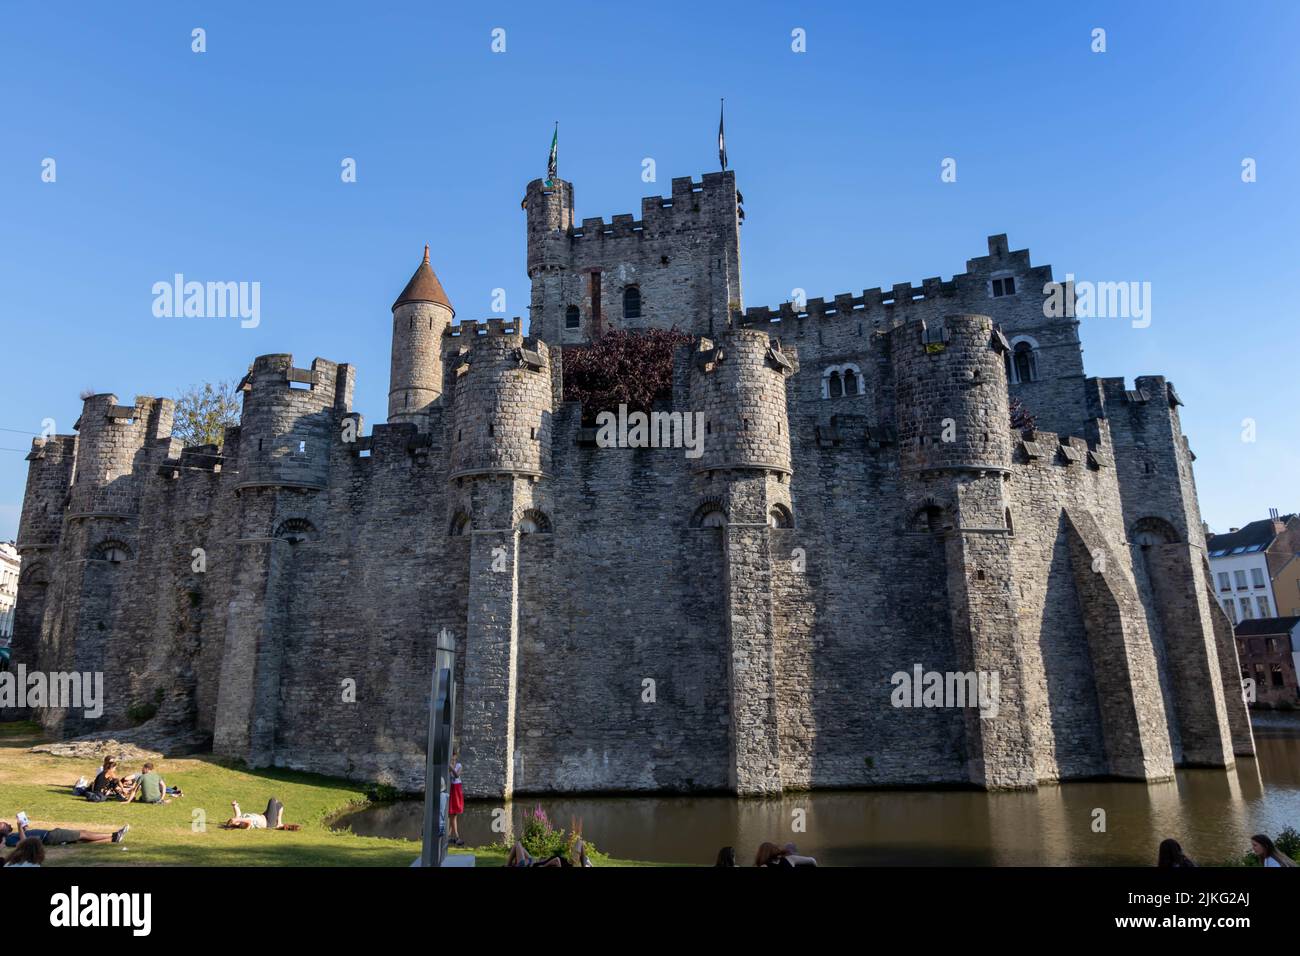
(501, 420)
(951, 389)
(550, 217)
(111, 444)
(739, 386)
(421, 316)
(286, 431)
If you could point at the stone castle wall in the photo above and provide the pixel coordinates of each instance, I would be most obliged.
(634, 619)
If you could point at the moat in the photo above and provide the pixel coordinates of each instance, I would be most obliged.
(1212, 813)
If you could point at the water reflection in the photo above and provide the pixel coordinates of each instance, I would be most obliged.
(1212, 813)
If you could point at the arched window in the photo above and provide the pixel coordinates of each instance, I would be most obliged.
(295, 530)
(1022, 361)
(1149, 531)
(459, 524)
(571, 319)
(114, 552)
(928, 520)
(534, 522)
(779, 517)
(713, 519)
(850, 382)
(835, 386)
(631, 302)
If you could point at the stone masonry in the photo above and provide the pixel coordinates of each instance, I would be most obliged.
(636, 619)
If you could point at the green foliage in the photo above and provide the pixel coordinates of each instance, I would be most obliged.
(139, 713)
(542, 839)
(381, 792)
(1288, 841)
(204, 412)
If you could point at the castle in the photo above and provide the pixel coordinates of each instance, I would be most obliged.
(635, 619)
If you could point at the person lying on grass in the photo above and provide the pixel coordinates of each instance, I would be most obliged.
(272, 819)
(59, 836)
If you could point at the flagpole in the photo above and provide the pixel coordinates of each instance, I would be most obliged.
(722, 139)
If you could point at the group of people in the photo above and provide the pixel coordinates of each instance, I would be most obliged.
(518, 856)
(145, 787)
(1261, 845)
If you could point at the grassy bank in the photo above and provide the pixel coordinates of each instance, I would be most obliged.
(175, 835)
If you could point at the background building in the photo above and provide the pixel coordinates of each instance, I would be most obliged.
(1268, 651)
(1244, 562)
(9, 563)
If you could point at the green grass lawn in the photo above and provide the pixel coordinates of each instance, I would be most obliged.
(175, 834)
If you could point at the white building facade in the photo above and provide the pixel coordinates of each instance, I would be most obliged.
(9, 563)
(1239, 563)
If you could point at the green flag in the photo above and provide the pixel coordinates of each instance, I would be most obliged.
(553, 161)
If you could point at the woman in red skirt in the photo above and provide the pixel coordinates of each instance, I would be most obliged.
(455, 801)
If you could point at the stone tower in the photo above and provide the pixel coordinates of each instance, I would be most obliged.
(739, 386)
(289, 426)
(954, 457)
(677, 265)
(421, 314)
(498, 434)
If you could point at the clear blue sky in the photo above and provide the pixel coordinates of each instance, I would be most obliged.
(225, 166)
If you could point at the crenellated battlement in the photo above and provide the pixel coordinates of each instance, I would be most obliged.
(682, 207)
(1106, 396)
(274, 375)
(888, 307)
(1036, 447)
(472, 328)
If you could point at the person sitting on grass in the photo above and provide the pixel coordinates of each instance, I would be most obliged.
(272, 819)
(769, 854)
(795, 858)
(149, 787)
(1267, 853)
(29, 852)
(59, 836)
(1171, 855)
(107, 784)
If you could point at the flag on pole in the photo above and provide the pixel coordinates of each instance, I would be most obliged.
(722, 139)
(553, 161)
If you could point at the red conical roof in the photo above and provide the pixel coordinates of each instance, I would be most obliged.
(424, 286)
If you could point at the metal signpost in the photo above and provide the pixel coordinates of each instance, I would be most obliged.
(442, 708)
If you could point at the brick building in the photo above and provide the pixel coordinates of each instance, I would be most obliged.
(1268, 649)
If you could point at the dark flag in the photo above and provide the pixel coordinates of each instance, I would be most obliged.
(553, 161)
(722, 139)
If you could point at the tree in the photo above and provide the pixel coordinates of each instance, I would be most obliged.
(622, 368)
(204, 412)
(1022, 419)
